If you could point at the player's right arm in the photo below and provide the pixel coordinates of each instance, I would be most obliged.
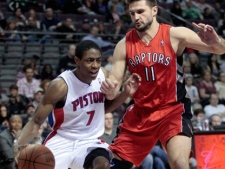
(111, 85)
(56, 91)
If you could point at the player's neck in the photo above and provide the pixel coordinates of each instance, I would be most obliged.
(149, 34)
(80, 77)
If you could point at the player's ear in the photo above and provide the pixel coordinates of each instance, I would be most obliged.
(154, 11)
(77, 60)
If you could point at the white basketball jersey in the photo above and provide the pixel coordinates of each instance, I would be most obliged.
(82, 116)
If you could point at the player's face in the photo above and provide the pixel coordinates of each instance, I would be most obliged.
(142, 15)
(89, 65)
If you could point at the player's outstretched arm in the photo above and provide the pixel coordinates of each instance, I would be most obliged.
(130, 87)
(206, 39)
(209, 36)
(56, 91)
(112, 84)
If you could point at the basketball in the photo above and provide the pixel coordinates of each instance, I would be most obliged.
(36, 156)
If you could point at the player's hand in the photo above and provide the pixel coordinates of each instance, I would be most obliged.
(207, 34)
(132, 83)
(16, 150)
(108, 87)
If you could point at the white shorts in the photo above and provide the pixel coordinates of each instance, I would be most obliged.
(71, 154)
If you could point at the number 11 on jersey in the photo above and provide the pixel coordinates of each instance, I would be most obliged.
(150, 73)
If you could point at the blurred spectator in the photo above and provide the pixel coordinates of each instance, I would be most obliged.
(196, 106)
(214, 120)
(38, 95)
(186, 67)
(17, 103)
(218, 11)
(118, 4)
(49, 22)
(18, 17)
(69, 28)
(147, 163)
(47, 72)
(109, 60)
(100, 7)
(44, 84)
(191, 12)
(7, 139)
(30, 29)
(206, 87)
(220, 87)
(192, 91)
(202, 5)
(214, 66)
(214, 107)
(12, 33)
(32, 13)
(199, 117)
(125, 17)
(196, 69)
(28, 84)
(28, 63)
(88, 7)
(85, 26)
(2, 35)
(109, 132)
(2, 20)
(67, 62)
(103, 32)
(221, 26)
(208, 14)
(3, 96)
(4, 117)
(119, 31)
(112, 16)
(160, 158)
(30, 110)
(94, 36)
(221, 19)
(183, 4)
(176, 9)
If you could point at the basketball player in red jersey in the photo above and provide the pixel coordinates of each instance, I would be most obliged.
(160, 110)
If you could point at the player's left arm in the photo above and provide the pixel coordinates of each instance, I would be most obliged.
(206, 39)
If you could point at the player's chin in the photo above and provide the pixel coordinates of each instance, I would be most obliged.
(93, 75)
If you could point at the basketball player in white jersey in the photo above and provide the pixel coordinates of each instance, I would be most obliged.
(75, 106)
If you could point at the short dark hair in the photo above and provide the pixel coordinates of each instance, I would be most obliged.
(151, 3)
(85, 45)
(198, 111)
(13, 86)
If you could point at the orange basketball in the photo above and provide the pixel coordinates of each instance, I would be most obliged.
(36, 156)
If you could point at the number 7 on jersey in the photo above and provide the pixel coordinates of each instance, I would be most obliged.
(91, 115)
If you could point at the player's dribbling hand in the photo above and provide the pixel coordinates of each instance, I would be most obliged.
(16, 151)
(207, 33)
(132, 83)
(108, 87)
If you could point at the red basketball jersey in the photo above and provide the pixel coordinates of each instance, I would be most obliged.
(159, 67)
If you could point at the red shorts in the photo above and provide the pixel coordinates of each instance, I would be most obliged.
(140, 130)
